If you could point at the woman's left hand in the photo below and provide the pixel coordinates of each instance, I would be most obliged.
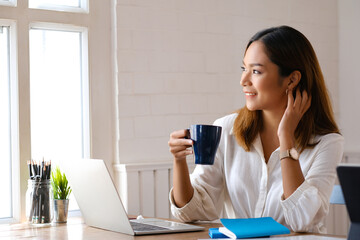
(294, 111)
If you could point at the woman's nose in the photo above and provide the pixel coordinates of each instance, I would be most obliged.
(245, 79)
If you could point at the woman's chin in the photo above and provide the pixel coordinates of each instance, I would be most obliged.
(251, 108)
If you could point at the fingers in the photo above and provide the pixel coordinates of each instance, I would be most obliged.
(304, 103)
(307, 103)
(290, 98)
(181, 155)
(298, 98)
(301, 103)
(178, 145)
(177, 139)
(179, 134)
(180, 142)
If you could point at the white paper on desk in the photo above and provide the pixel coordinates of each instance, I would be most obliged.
(303, 237)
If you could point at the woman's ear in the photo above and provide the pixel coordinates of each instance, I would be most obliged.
(294, 79)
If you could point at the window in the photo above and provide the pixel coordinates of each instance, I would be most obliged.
(55, 90)
(58, 95)
(5, 127)
(8, 2)
(69, 3)
(60, 5)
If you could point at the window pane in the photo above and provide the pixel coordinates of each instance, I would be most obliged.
(5, 139)
(68, 3)
(55, 94)
(59, 5)
(8, 2)
(58, 123)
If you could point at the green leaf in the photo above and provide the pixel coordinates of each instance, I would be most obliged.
(59, 183)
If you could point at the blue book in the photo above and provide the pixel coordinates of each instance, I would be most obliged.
(252, 227)
(214, 233)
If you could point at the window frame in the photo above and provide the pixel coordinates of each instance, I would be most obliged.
(100, 72)
(85, 98)
(14, 123)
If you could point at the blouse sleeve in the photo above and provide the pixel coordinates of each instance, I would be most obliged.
(208, 183)
(307, 207)
(207, 201)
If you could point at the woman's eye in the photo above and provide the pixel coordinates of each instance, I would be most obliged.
(243, 69)
(256, 72)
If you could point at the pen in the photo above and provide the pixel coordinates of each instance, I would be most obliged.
(38, 168)
(40, 208)
(33, 168)
(41, 172)
(49, 170)
(29, 166)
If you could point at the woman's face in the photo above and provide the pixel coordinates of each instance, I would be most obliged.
(264, 88)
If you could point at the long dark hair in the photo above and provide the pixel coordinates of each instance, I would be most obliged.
(290, 50)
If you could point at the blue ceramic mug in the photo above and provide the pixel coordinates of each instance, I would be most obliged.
(206, 139)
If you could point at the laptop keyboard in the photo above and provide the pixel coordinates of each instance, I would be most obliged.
(140, 227)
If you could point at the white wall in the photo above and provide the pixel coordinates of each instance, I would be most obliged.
(179, 62)
(349, 78)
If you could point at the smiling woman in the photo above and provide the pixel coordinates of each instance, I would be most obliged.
(275, 158)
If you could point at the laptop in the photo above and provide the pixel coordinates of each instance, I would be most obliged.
(101, 206)
(349, 178)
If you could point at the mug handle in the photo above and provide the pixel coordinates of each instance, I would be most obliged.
(187, 136)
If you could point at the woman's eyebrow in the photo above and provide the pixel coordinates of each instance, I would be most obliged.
(254, 64)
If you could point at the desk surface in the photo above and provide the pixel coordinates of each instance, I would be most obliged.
(76, 229)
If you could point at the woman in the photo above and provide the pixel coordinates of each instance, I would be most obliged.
(277, 155)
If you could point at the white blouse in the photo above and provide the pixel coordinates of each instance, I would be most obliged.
(241, 185)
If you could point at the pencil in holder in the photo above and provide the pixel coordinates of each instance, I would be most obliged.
(38, 201)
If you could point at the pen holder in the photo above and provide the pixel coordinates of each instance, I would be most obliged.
(38, 200)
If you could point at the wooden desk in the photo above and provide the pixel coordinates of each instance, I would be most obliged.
(76, 229)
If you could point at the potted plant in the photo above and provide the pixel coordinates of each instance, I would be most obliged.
(61, 192)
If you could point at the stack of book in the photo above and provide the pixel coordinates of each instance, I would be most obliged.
(248, 228)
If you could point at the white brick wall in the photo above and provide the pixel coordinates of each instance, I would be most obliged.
(179, 62)
(349, 79)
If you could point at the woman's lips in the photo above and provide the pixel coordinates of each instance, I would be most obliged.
(250, 94)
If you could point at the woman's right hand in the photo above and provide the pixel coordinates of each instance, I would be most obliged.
(179, 145)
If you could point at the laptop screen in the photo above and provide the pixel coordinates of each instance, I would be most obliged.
(349, 177)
